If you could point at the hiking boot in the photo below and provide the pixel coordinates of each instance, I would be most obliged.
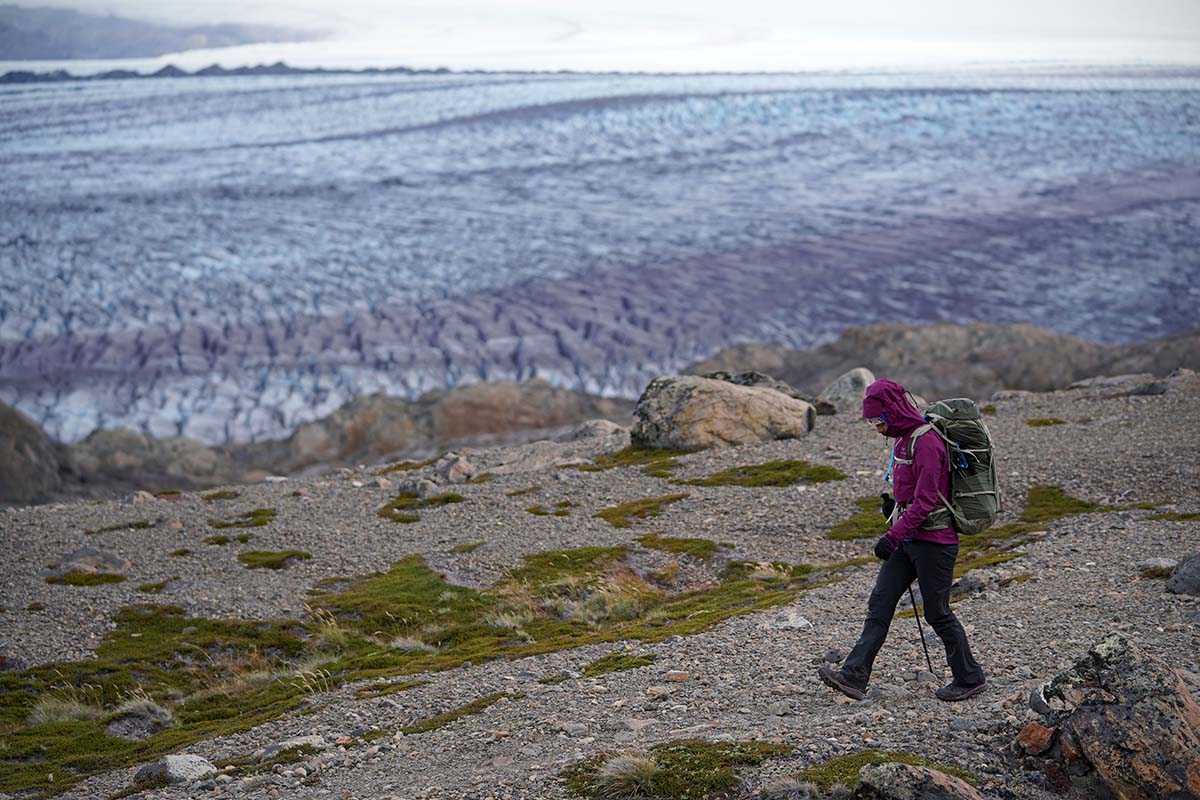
(837, 679)
(956, 691)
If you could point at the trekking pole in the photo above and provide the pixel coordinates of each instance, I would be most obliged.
(920, 630)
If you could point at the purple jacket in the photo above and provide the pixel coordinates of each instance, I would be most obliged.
(915, 486)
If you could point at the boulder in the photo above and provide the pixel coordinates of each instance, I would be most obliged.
(175, 769)
(454, 468)
(758, 379)
(845, 394)
(31, 465)
(893, 781)
(1186, 577)
(138, 720)
(89, 560)
(1127, 727)
(684, 412)
(315, 742)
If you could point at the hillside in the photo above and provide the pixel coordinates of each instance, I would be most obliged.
(489, 632)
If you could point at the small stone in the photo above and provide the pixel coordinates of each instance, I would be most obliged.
(571, 728)
(780, 708)
(676, 676)
(925, 676)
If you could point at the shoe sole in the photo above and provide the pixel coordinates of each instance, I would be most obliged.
(849, 691)
(972, 692)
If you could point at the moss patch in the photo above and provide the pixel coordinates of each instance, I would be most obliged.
(868, 523)
(467, 547)
(154, 588)
(684, 769)
(616, 662)
(522, 492)
(655, 463)
(406, 466)
(249, 519)
(483, 477)
(1173, 516)
(441, 720)
(85, 578)
(1044, 422)
(844, 769)
(620, 516)
(696, 548)
(219, 539)
(772, 473)
(268, 559)
(223, 494)
(402, 507)
(989, 409)
(383, 690)
(1157, 573)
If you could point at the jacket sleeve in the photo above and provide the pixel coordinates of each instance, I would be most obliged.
(931, 471)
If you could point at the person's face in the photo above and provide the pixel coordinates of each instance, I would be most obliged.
(880, 425)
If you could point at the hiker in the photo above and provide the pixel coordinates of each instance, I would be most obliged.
(910, 551)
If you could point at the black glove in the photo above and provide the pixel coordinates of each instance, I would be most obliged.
(883, 548)
(888, 506)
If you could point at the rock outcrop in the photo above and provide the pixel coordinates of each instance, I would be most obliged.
(1121, 725)
(682, 412)
(949, 360)
(845, 394)
(174, 769)
(1185, 578)
(32, 466)
(136, 459)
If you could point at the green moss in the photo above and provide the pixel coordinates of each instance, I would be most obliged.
(1157, 573)
(655, 463)
(249, 519)
(538, 511)
(684, 769)
(85, 578)
(157, 782)
(620, 516)
(268, 559)
(1049, 503)
(180, 553)
(1024, 576)
(399, 509)
(219, 539)
(243, 538)
(155, 588)
(36, 607)
(616, 662)
(522, 492)
(369, 692)
(868, 523)
(441, 720)
(989, 409)
(137, 524)
(697, 548)
(406, 466)
(467, 547)
(844, 769)
(483, 477)
(223, 494)
(1173, 516)
(248, 765)
(772, 473)
(1044, 422)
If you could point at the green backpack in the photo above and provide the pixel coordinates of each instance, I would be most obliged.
(974, 501)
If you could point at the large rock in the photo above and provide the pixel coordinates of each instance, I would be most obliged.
(1186, 577)
(684, 412)
(31, 465)
(130, 457)
(845, 394)
(758, 379)
(89, 561)
(1126, 727)
(904, 782)
(175, 769)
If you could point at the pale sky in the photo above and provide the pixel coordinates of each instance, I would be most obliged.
(690, 35)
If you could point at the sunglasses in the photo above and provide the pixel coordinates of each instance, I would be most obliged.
(876, 420)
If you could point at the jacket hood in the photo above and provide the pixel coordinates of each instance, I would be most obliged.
(886, 399)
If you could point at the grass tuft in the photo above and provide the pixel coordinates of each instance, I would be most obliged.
(268, 559)
(249, 519)
(620, 516)
(772, 473)
(85, 578)
(696, 548)
(616, 662)
(398, 510)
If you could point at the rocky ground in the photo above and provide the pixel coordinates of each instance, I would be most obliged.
(750, 677)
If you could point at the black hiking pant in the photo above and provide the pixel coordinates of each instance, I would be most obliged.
(932, 565)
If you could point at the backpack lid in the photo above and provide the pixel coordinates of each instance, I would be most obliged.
(956, 408)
